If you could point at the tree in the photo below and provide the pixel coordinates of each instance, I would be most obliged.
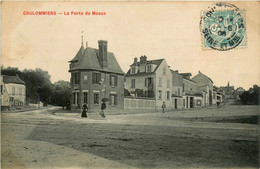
(61, 93)
(251, 96)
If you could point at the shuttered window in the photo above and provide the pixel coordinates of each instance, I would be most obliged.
(113, 80)
(96, 78)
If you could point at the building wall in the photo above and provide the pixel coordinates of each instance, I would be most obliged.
(179, 101)
(4, 95)
(17, 94)
(177, 84)
(139, 82)
(189, 86)
(201, 81)
(205, 91)
(103, 89)
(137, 103)
(214, 97)
(163, 87)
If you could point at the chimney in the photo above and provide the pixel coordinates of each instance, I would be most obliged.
(102, 47)
(143, 59)
(135, 60)
(177, 71)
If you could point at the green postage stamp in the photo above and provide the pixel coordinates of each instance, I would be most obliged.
(223, 27)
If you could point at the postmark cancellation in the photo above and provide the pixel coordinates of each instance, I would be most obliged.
(223, 27)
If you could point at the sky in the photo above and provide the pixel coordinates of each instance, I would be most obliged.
(158, 30)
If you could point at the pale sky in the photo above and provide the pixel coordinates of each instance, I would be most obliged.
(167, 30)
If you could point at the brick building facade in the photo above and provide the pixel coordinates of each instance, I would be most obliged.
(96, 74)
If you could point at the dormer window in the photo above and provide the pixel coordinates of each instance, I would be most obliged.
(133, 70)
(149, 68)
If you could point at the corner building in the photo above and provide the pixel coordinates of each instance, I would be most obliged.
(96, 74)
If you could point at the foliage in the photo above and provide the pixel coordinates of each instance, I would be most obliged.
(61, 93)
(150, 93)
(126, 92)
(251, 96)
(139, 92)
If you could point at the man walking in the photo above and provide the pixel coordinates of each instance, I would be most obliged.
(163, 107)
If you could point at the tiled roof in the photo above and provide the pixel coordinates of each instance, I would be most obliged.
(189, 79)
(156, 62)
(78, 55)
(88, 59)
(12, 79)
(203, 75)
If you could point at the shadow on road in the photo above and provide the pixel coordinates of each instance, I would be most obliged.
(137, 146)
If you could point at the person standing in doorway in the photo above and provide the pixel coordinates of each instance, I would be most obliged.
(103, 108)
(163, 107)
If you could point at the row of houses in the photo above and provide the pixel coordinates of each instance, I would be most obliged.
(96, 74)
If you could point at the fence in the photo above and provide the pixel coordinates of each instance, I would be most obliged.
(139, 103)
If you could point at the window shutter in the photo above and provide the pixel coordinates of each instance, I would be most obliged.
(115, 80)
(110, 80)
(99, 78)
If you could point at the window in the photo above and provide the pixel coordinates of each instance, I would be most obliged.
(179, 91)
(85, 95)
(160, 82)
(149, 68)
(132, 83)
(113, 99)
(75, 98)
(13, 90)
(148, 82)
(168, 95)
(113, 80)
(96, 78)
(76, 78)
(164, 71)
(168, 83)
(160, 94)
(133, 70)
(96, 98)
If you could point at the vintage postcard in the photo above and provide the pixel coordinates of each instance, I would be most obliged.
(120, 84)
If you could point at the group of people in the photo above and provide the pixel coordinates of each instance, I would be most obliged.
(85, 110)
(103, 108)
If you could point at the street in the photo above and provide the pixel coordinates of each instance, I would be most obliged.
(218, 137)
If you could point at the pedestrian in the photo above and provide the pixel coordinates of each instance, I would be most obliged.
(163, 107)
(84, 110)
(103, 108)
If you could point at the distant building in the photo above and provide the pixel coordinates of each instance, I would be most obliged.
(150, 79)
(177, 90)
(205, 84)
(13, 91)
(191, 97)
(95, 75)
(229, 91)
(238, 92)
